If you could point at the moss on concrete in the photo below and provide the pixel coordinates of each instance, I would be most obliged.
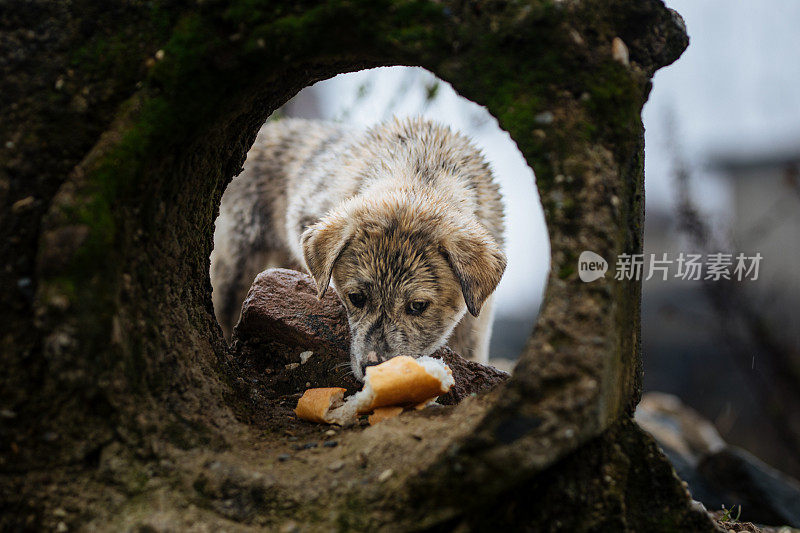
(130, 352)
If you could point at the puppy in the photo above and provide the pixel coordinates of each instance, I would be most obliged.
(404, 221)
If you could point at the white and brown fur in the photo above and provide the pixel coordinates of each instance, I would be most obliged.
(404, 212)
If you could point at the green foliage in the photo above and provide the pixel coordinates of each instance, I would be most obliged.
(727, 514)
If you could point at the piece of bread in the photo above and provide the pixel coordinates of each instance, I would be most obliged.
(383, 413)
(399, 382)
(404, 381)
(316, 404)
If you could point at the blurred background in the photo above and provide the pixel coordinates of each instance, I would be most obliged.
(722, 174)
(721, 359)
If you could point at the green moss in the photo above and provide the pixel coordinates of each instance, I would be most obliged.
(114, 51)
(565, 271)
(106, 56)
(616, 97)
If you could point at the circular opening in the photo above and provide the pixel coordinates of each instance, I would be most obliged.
(366, 98)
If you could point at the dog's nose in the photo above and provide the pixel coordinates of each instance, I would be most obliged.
(366, 364)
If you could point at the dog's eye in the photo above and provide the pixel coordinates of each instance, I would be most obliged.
(357, 299)
(416, 308)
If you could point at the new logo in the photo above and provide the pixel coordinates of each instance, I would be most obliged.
(591, 266)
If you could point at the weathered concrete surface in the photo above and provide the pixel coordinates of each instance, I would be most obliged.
(125, 122)
(619, 481)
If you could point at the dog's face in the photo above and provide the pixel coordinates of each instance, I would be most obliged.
(406, 272)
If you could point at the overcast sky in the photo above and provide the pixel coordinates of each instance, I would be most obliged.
(736, 89)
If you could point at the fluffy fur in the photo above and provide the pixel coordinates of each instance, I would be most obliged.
(403, 220)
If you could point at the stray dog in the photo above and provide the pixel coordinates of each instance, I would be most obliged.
(404, 220)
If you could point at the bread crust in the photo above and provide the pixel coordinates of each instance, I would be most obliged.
(315, 404)
(401, 381)
(383, 413)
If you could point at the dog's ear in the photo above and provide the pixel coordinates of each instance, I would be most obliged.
(478, 263)
(322, 245)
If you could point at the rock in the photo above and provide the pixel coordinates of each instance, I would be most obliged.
(282, 320)
(290, 527)
(678, 427)
(766, 495)
(23, 204)
(717, 473)
(545, 117)
(619, 51)
(470, 377)
(282, 306)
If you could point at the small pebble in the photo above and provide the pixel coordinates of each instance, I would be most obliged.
(23, 204)
(290, 527)
(292, 438)
(291, 366)
(336, 466)
(545, 117)
(330, 433)
(308, 384)
(160, 55)
(331, 444)
(284, 457)
(61, 527)
(305, 356)
(386, 474)
(309, 445)
(619, 51)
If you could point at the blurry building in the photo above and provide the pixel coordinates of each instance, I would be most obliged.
(685, 348)
(766, 218)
